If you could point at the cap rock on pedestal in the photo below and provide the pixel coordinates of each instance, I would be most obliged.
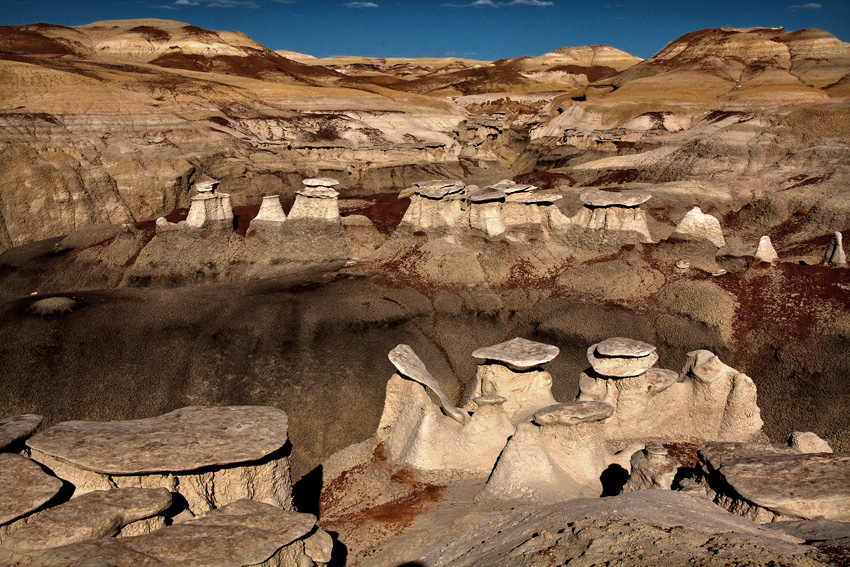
(519, 353)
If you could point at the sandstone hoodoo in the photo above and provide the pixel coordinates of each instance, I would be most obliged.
(610, 211)
(209, 208)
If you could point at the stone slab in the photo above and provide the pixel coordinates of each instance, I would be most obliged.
(183, 440)
(599, 198)
(91, 516)
(24, 487)
(624, 347)
(510, 187)
(572, 413)
(620, 366)
(487, 196)
(241, 533)
(17, 427)
(438, 189)
(802, 485)
(320, 182)
(519, 353)
(318, 193)
(541, 197)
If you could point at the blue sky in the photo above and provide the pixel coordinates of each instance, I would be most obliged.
(482, 29)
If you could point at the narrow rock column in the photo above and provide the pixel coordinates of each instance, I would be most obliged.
(208, 207)
(835, 253)
(485, 213)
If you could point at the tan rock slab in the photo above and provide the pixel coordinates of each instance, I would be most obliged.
(411, 366)
(599, 198)
(510, 187)
(24, 487)
(487, 195)
(91, 516)
(808, 442)
(571, 413)
(518, 353)
(439, 189)
(183, 440)
(242, 533)
(320, 182)
(318, 193)
(659, 379)
(765, 251)
(17, 427)
(780, 479)
(541, 197)
(624, 347)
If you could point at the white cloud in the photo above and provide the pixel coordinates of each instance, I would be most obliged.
(534, 3)
(361, 5)
(808, 6)
(476, 4)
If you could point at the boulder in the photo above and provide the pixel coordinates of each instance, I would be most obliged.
(15, 428)
(765, 251)
(808, 442)
(698, 225)
(771, 483)
(620, 357)
(210, 455)
(652, 468)
(411, 366)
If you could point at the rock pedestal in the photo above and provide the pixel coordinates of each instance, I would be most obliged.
(209, 208)
(512, 370)
(210, 455)
(765, 251)
(614, 212)
(317, 201)
(699, 226)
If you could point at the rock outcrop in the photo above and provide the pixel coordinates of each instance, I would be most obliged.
(765, 251)
(767, 483)
(211, 456)
(835, 255)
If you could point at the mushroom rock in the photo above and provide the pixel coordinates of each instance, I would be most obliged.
(560, 456)
(808, 442)
(765, 251)
(94, 515)
(242, 533)
(652, 468)
(708, 400)
(769, 483)
(210, 455)
(697, 225)
(317, 201)
(437, 207)
(15, 428)
(615, 212)
(512, 370)
(834, 255)
(209, 208)
(24, 488)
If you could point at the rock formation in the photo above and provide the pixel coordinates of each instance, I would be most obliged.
(270, 216)
(698, 225)
(209, 208)
(834, 255)
(210, 456)
(197, 486)
(615, 212)
(768, 483)
(808, 442)
(765, 251)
